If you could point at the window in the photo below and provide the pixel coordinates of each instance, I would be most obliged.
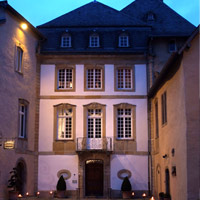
(123, 40)
(23, 108)
(156, 119)
(124, 80)
(65, 75)
(150, 16)
(94, 120)
(172, 46)
(65, 121)
(94, 40)
(125, 121)
(94, 125)
(164, 107)
(19, 59)
(94, 76)
(66, 40)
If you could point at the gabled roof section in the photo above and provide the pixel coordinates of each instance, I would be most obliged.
(172, 65)
(7, 7)
(93, 14)
(167, 21)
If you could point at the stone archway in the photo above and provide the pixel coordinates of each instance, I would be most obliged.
(22, 172)
(94, 177)
(158, 180)
(104, 165)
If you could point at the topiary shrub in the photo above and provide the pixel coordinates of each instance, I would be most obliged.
(126, 185)
(61, 185)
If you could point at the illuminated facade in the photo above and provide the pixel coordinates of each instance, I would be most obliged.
(82, 107)
(17, 100)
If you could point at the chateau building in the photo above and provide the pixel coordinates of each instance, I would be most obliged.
(18, 102)
(86, 98)
(174, 112)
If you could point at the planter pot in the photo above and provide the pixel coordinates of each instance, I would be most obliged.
(60, 194)
(126, 194)
(13, 195)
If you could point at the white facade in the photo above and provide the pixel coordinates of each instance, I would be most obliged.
(50, 164)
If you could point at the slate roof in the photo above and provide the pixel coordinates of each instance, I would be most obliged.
(167, 21)
(108, 40)
(94, 14)
(171, 66)
(109, 23)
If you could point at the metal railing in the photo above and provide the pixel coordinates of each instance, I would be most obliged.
(94, 144)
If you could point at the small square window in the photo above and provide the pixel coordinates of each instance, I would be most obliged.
(123, 41)
(66, 41)
(94, 41)
(19, 59)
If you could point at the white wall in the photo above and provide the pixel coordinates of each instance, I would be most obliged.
(46, 119)
(47, 86)
(49, 166)
(137, 165)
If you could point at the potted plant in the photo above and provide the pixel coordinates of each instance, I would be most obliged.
(161, 195)
(126, 188)
(14, 184)
(61, 187)
(167, 196)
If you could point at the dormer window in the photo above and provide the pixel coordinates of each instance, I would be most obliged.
(172, 46)
(94, 40)
(124, 40)
(66, 40)
(150, 16)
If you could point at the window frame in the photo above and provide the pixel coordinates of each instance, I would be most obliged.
(88, 67)
(121, 40)
(156, 117)
(64, 106)
(174, 49)
(19, 57)
(23, 115)
(96, 43)
(133, 121)
(97, 106)
(66, 36)
(64, 67)
(130, 67)
(164, 108)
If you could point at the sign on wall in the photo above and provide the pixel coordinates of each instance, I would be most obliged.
(10, 144)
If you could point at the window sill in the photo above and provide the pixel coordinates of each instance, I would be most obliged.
(64, 140)
(125, 139)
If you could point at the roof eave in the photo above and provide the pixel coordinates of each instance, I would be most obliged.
(21, 18)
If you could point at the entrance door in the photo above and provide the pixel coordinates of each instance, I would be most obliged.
(167, 181)
(21, 169)
(94, 178)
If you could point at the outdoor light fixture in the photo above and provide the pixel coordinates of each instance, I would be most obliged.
(38, 194)
(51, 192)
(152, 198)
(24, 26)
(19, 196)
(144, 195)
(27, 194)
(133, 194)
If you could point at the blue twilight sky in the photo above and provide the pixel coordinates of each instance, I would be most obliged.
(41, 11)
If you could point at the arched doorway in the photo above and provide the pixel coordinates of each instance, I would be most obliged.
(167, 181)
(94, 178)
(21, 170)
(158, 180)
